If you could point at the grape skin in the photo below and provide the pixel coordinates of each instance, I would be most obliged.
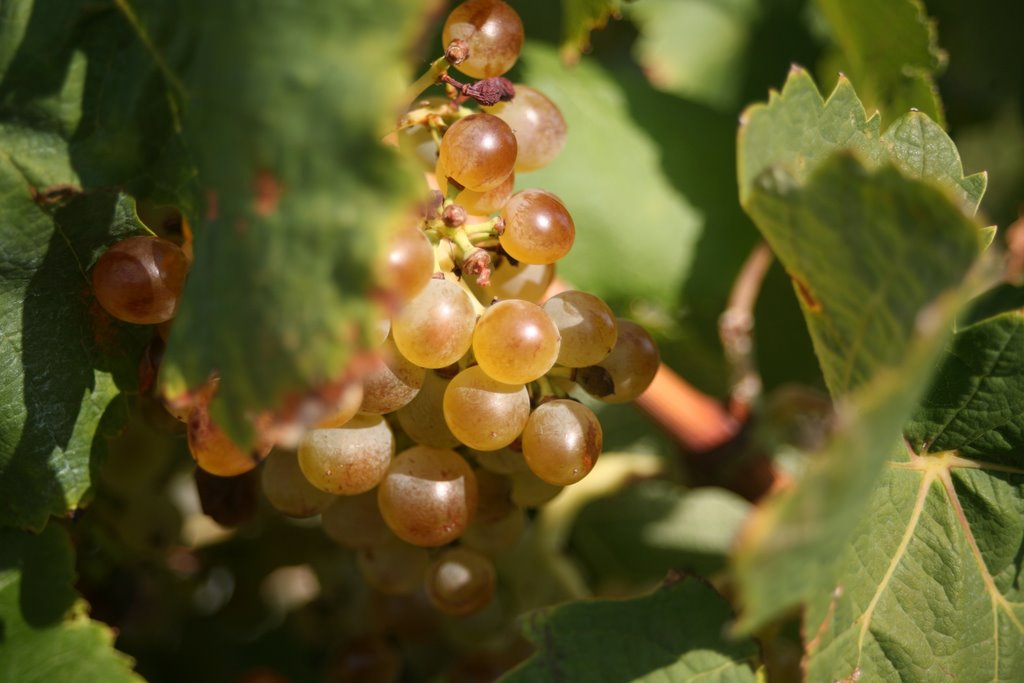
(393, 382)
(561, 441)
(491, 201)
(214, 451)
(394, 567)
(539, 127)
(484, 413)
(493, 32)
(428, 496)
(587, 326)
(632, 364)
(538, 228)
(509, 280)
(355, 521)
(423, 418)
(350, 459)
(407, 263)
(435, 329)
(139, 279)
(288, 490)
(478, 152)
(515, 341)
(460, 581)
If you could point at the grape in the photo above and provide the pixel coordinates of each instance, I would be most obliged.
(407, 263)
(423, 418)
(491, 201)
(355, 521)
(393, 382)
(395, 568)
(428, 495)
(538, 125)
(504, 461)
(538, 229)
(214, 451)
(587, 327)
(561, 441)
(524, 281)
(530, 491)
(478, 152)
(494, 538)
(460, 581)
(350, 459)
(139, 279)
(515, 342)
(287, 488)
(493, 32)
(417, 142)
(345, 408)
(435, 329)
(630, 366)
(484, 413)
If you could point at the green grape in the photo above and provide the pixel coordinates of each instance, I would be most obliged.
(561, 441)
(538, 124)
(288, 490)
(495, 537)
(484, 413)
(530, 491)
(630, 366)
(491, 201)
(524, 281)
(428, 496)
(435, 329)
(355, 521)
(460, 581)
(515, 342)
(345, 408)
(407, 263)
(478, 152)
(139, 279)
(493, 32)
(392, 383)
(538, 228)
(587, 326)
(394, 567)
(423, 418)
(350, 459)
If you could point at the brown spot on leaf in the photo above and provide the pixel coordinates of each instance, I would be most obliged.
(54, 194)
(806, 296)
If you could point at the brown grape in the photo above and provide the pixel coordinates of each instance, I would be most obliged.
(484, 413)
(460, 581)
(538, 228)
(350, 459)
(587, 326)
(478, 152)
(139, 279)
(561, 441)
(428, 496)
(493, 32)
(515, 342)
(538, 125)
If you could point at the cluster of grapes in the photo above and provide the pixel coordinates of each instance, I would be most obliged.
(473, 377)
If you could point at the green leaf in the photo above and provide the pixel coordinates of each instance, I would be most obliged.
(931, 583)
(638, 533)
(283, 112)
(672, 634)
(694, 48)
(47, 634)
(579, 18)
(890, 50)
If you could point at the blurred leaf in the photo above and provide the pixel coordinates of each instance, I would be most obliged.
(672, 634)
(283, 111)
(890, 50)
(47, 633)
(867, 250)
(931, 581)
(695, 48)
(649, 527)
(579, 18)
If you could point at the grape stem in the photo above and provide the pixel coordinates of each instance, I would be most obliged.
(432, 76)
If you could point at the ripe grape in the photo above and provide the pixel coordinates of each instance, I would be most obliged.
(435, 329)
(561, 441)
(460, 581)
(515, 341)
(630, 366)
(428, 496)
(478, 152)
(355, 521)
(214, 451)
(491, 201)
(504, 461)
(538, 125)
(406, 264)
(139, 279)
(287, 488)
(393, 382)
(538, 228)
(493, 32)
(484, 413)
(423, 418)
(345, 408)
(394, 567)
(587, 326)
(350, 459)
(524, 281)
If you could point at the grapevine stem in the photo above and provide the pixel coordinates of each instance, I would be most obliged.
(432, 75)
(736, 330)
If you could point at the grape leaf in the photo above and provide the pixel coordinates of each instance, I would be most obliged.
(890, 50)
(930, 586)
(46, 632)
(672, 634)
(579, 18)
(694, 48)
(868, 252)
(863, 238)
(283, 111)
